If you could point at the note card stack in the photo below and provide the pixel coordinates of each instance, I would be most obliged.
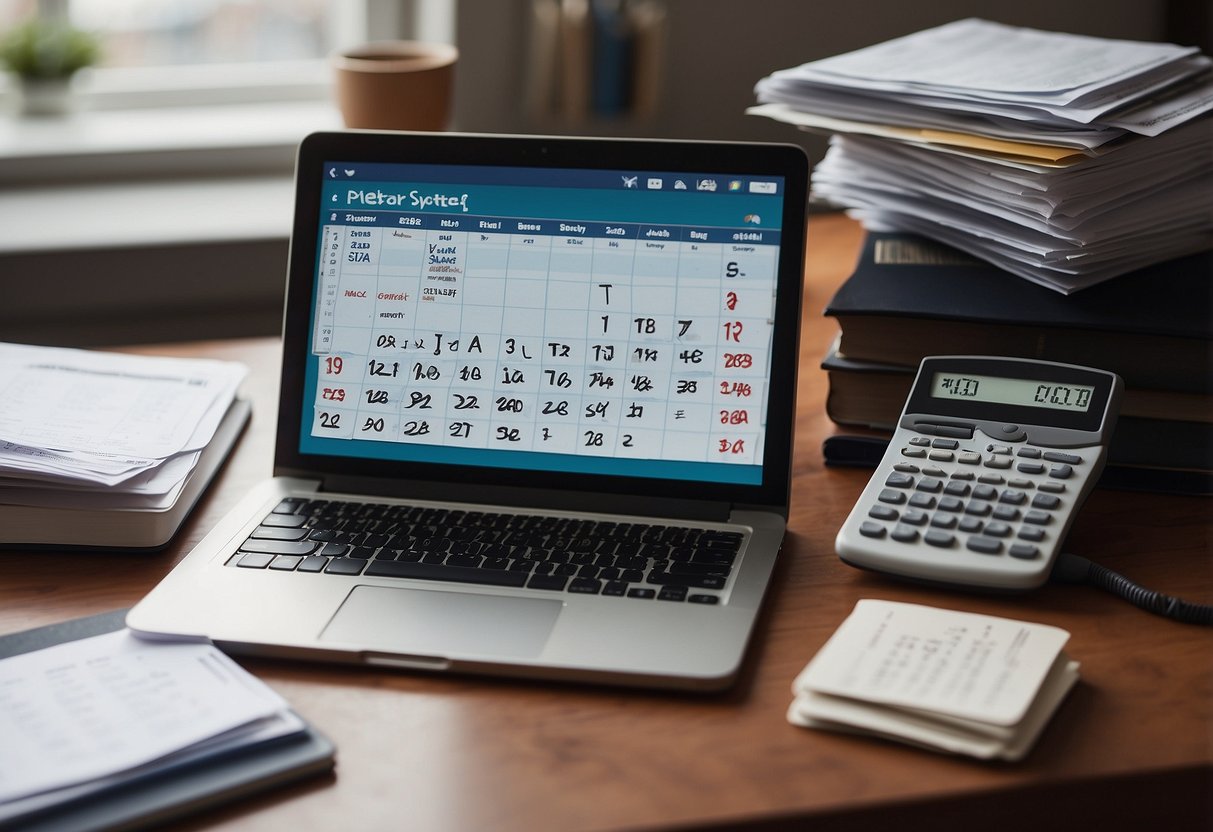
(943, 680)
(1065, 160)
(107, 450)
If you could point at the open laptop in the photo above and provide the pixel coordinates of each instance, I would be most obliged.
(535, 416)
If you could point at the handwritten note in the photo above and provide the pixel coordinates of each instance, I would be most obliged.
(970, 666)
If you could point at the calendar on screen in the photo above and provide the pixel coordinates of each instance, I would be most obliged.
(564, 320)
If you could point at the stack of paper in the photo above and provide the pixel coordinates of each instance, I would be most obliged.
(94, 431)
(947, 681)
(87, 717)
(1066, 160)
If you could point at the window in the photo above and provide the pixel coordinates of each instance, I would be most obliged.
(222, 51)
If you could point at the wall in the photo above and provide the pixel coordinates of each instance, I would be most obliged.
(220, 285)
(717, 49)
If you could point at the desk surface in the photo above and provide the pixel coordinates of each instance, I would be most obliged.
(1134, 740)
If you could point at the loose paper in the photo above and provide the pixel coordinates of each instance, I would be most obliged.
(88, 709)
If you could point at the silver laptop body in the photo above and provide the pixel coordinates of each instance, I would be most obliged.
(518, 335)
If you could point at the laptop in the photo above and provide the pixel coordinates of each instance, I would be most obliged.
(535, 414)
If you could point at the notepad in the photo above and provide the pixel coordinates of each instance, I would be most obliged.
(945, 680)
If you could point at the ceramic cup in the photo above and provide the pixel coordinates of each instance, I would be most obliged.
(396, 85)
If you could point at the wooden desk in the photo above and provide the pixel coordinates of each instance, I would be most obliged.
(1132, 747)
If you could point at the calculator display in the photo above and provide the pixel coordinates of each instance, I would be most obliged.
(1014, 391)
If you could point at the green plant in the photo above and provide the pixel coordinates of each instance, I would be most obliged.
(42, 51)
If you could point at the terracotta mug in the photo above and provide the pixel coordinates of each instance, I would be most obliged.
(396, 85)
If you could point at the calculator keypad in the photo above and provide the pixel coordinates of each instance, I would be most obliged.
(957, 496)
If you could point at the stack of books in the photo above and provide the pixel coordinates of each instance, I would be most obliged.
(910, 297)
(1062, 159)
(103, 450)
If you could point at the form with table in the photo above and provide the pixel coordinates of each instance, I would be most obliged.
(1132, 745)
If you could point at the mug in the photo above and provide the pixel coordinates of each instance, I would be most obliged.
(396, 85)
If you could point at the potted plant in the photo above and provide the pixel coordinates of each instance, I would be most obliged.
(43, 56)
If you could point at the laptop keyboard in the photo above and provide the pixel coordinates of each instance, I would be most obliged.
(541, 552)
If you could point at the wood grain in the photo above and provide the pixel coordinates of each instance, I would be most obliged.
(1132, 745)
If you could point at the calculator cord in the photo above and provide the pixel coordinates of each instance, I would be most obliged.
(1072, 569)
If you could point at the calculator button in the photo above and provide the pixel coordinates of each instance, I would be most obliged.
(985, 492)
(1037, 518)
(1028, 453)
(916, 453)
(1014, 498)
(869, 529)
(940, 539)
(957, 489)
(962, 475)
(968, 458)
(1005, 513)
(1046, 501)
(1061, 472)
(1058, 456)
(943, 521)
(888, 495)
(922, 501)
(996, 528)
(903, 533)
(998, 449)
(945, 444)
(997, 462)
(1030, 468)
(1020, 482)
(970, 525)
(914, 517)
(933, 471)
(952, 504)
(1024, 551)
(930, 484)
(899, 480)
(1031, 533)
(882, 512)
(941, 456)
(985, 545)
(1052, 487)
(978, 508)
(991, 479)
(906, 468)
(921, 441)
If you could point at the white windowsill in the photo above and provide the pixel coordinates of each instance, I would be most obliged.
(146, 177)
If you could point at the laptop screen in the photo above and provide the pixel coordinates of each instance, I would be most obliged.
(610, 321)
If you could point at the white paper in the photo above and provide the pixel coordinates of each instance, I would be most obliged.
(90, 708)
(932, 731)
(979, 55)
(957, 664)
(126, 405)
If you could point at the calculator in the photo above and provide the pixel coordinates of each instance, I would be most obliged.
(990, 461)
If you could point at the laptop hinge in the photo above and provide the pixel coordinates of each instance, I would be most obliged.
(531, 498)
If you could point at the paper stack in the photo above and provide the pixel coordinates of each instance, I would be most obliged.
(112, 732)
(1066, 160)
(101, 449)
(947, 681)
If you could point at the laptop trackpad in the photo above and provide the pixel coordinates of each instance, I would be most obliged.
(440, 623)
